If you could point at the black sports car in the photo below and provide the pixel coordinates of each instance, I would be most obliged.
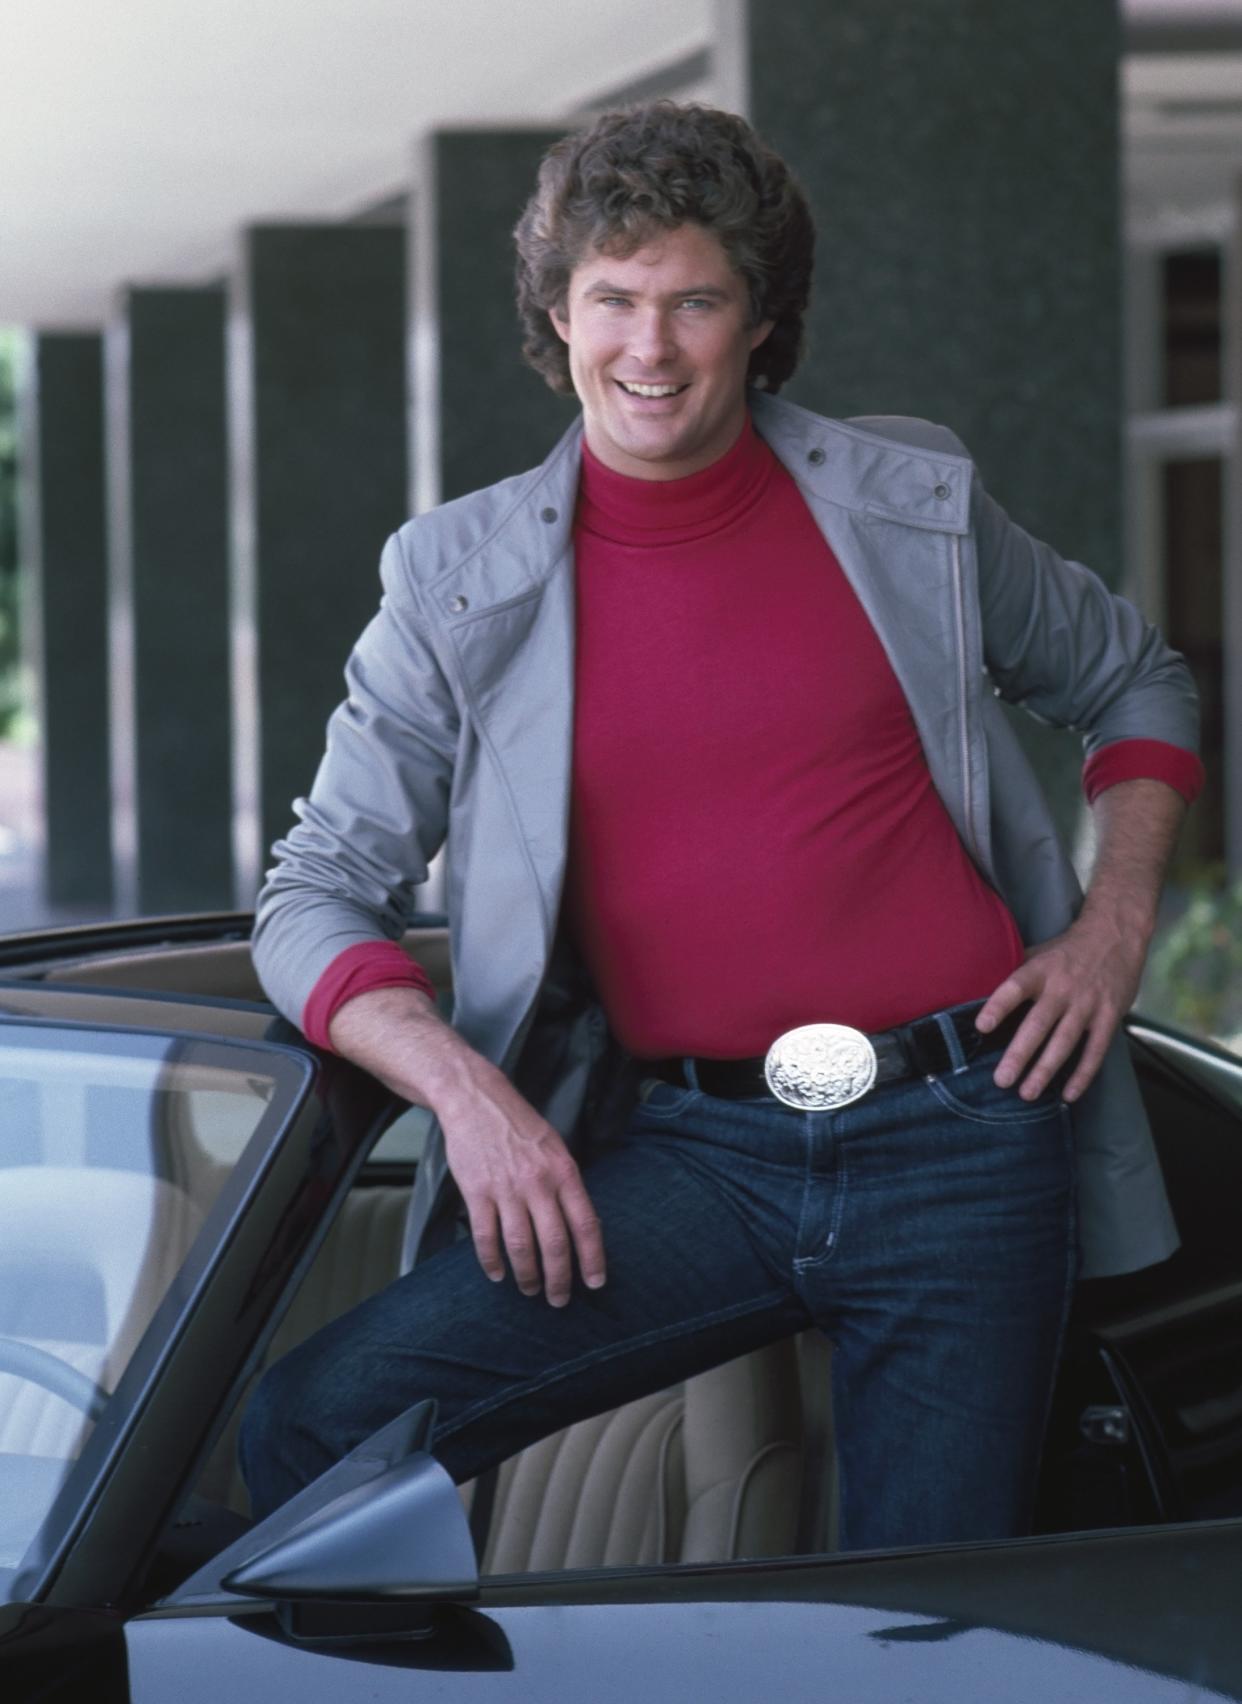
(187, 1187)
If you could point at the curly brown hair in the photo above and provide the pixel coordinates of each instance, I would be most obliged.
(649, 168)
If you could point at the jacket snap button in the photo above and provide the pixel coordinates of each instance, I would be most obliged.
(815, 457)
(457, 604)
(548, 515)
(941, 491)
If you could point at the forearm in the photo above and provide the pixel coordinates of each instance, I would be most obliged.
(522, 1191)
(1137, 824)
(398, 1036)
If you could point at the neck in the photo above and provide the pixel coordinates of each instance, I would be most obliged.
(664, 471)
(642, 511)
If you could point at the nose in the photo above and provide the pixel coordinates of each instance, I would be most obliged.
(652, 337)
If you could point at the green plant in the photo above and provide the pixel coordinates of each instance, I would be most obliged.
(1195, 974)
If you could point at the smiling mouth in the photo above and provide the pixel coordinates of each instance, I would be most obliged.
(633, 388)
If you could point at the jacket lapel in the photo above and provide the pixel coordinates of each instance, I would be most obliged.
(895, 514)
(508, 608)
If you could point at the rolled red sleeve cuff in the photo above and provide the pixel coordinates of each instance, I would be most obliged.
(359, 970)
(1143, 760)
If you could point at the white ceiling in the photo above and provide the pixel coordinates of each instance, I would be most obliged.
(138, 136)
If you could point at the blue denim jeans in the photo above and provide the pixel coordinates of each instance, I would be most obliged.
(928, 1229)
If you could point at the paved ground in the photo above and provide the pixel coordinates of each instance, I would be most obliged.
(22, 901)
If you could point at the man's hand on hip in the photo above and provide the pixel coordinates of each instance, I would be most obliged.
(523, 1192)
(1082, 983)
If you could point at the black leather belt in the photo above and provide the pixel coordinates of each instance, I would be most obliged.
(917, 1049)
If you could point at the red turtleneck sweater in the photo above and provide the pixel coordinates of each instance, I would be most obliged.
(755, 840)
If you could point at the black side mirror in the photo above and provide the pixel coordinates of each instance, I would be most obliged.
(361, 1552)
(401, 1537)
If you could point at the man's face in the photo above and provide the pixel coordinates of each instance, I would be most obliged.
(658, 349)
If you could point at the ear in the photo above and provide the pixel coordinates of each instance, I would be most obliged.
(560, 323)
(760, 333)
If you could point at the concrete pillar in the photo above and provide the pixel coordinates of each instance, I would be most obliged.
(318, 439)
(961, 160)
(172, 776)
(481, 413)
(1231, 577)
(64, 548)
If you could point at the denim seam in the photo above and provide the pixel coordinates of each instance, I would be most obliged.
(809, 1261)
(683, 1328)
(962, 1111)
(1067, 1296)
(684, 1097)
(804, 1210)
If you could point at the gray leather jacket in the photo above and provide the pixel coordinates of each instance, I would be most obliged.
(458, 725)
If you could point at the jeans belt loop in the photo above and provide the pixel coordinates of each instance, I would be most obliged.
(952, 1041)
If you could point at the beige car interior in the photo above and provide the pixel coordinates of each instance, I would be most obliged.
(130, 1234)
(735, 1462)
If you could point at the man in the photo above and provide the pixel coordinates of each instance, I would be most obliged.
(700, 706)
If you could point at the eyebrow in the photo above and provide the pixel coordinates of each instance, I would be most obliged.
(601, 287)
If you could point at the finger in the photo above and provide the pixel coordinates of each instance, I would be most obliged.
(552, 1236)
(519, 1239)
(585, 1229)
(1062, 1042)
(1102, 1032)
(485, 1233)
(1032, 1032)
(1022, 985)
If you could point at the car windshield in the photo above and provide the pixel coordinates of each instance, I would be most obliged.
(113, 1148)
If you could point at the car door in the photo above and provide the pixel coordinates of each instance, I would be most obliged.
(1148, 1420)
(160, 1191)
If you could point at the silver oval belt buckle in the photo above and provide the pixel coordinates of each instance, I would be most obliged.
(820, 1066)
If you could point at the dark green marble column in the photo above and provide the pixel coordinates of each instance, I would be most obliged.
(172, 773)
(64, 545)
(961, 159)
(1231, 581)
(320, 462)
(483, 414)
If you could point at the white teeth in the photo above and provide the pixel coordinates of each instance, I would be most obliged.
(649, 390)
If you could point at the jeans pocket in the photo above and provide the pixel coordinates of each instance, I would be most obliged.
(658, 1099)
(972, 1093)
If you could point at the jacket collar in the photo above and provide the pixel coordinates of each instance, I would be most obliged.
(502, 543)
(866, 471)
(528, 533)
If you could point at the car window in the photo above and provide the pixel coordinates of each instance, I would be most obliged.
(113, 1149)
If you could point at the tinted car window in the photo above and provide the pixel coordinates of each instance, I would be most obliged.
(113, 1150)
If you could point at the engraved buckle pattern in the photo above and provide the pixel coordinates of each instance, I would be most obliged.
(820, 1066)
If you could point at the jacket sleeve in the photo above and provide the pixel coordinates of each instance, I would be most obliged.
(1060, 644)
(378, 808)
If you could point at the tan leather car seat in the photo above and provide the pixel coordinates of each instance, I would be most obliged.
(105, 1245)
(706, 1471)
